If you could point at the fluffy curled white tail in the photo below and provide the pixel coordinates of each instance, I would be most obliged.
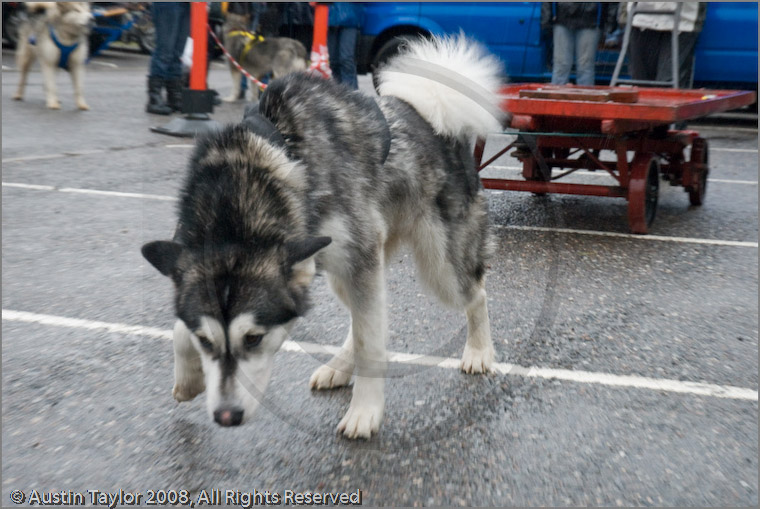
(451, 81)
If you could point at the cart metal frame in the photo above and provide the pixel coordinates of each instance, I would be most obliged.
(570, 130)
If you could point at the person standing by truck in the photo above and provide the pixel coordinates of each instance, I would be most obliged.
(576, 28)
(650, 54)
(172, 22)
(344, 23)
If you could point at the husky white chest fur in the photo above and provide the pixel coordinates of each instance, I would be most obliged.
(325, 178)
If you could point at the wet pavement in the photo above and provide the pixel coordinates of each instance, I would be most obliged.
(87, 403)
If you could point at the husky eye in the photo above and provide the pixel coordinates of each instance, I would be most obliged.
(251, 341)
(205, 343)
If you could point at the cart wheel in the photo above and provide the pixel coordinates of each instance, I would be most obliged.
(700, 169)
(546, 153)
(643, 187)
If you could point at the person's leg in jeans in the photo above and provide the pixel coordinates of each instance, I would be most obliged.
(332, 50)
(162, 20)
(179, 31)
(347, 56)
(562, 62)
(586, 41)
(161, 57)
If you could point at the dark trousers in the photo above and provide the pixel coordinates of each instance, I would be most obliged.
(341, 44)
(172, 22)
(650, 56)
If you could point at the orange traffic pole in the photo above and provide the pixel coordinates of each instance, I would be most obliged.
(198, 27)
(320, 60)
(320, 26)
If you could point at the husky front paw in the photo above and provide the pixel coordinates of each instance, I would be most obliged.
(187, 391)
(361, 422)
(82, 105)
(326, 377)
(53, 104)
(476, 360)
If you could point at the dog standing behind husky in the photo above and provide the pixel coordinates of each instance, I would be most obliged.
(259, 56)
(332, 179)
(56, 35)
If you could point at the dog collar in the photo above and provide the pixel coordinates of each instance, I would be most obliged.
(253, 39)
(66, 51)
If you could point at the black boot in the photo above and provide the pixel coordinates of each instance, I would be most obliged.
(156, 103)
(174, 94)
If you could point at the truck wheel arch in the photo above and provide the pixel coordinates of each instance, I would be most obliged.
(388, 44)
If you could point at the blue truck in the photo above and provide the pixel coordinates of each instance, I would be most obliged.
(726, 54)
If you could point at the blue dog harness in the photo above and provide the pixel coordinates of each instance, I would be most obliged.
(66, 51)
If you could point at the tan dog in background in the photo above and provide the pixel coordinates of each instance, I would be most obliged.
(56, 35)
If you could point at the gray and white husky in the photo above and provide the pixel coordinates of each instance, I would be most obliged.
(323, 178)
(259, 56)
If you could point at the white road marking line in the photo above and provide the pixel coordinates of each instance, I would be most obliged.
(81, 153)
(105, 64)
(589, 377)
(741, 150)
(602, 173)
(119, 194)
(727, 181)
(77, 323)
(188, 145)
(33, 158)
(54, 156)
(681, 240)
(36, 187)
(727, 128)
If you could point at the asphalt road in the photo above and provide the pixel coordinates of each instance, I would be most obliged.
(654, 340)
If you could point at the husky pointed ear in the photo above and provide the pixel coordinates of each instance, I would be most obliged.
(299, 250)
(163, 255)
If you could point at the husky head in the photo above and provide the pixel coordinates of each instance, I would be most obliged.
(73, 14)
(239, 303)
(234, 21)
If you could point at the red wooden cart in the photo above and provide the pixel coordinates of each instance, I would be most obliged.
(568, 127)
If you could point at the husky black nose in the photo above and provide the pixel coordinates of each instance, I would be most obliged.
(228, 416)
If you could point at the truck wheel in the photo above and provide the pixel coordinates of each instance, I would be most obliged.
(386, 52)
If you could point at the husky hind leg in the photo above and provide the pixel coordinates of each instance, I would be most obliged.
(24, 60)
(188, 373)
(235, 91)
(48, 79)
(77, 77)
(478, 351)
(453, 266)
